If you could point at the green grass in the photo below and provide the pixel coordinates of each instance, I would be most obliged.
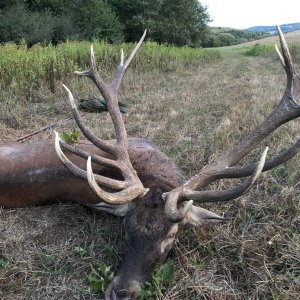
(161, 278)
(100, 278)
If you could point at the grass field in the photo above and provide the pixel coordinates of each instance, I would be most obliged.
(193, 112)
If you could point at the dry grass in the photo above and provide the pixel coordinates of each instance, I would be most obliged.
(193, 115)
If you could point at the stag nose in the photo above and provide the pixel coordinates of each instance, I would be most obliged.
(122, 295)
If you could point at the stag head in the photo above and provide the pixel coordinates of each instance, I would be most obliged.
(155, 210)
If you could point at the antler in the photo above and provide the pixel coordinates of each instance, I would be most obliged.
(286, 110)
(118, 157)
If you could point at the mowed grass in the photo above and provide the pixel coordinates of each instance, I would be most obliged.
(193, 112)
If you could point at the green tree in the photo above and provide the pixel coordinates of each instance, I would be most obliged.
(136, 16)
(179, 22)
(18, 23)
(96, 19)
(90, 18)
(56, 7)
(8, 3)
(182, 22)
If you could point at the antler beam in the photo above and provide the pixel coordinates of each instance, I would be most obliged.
(117, 153)
(285, 111)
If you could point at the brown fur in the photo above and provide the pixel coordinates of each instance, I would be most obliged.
(31, 174)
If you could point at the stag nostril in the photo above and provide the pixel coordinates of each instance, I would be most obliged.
(122, 295)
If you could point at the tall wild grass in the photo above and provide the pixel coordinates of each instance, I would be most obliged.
(23, 68)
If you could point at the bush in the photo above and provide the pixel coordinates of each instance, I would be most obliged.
(258, 49)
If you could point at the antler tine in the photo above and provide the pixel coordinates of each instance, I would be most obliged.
(286, 110)
(129, 190)
(230, 194)
(93, 74)
(123, 66)
(247, 170)
(176, 216)
(131, 186)
(225, 195)
(110, 91)
(85, 130)
(132, 191)
(280, 56)
(286, 55)
(105, 181)
(84, 154)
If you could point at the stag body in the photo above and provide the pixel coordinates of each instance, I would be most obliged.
(32, 174)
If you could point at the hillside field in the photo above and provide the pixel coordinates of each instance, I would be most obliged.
(194, 110)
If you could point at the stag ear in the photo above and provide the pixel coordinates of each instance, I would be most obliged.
(198, 216)
(118, 210)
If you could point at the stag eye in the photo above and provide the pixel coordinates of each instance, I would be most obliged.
(171, 236)
(172, 232)
(167, 243)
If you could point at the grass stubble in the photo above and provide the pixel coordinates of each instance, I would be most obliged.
(194, 115)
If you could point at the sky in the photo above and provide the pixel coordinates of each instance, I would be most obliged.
(244, 14)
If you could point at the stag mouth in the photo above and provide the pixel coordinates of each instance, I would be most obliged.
(126, 295)
(116, 290)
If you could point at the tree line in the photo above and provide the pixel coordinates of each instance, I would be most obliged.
(219, 37)
(177, 22)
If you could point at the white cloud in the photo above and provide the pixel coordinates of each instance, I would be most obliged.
(244, 14)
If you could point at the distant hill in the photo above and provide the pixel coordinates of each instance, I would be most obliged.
(272, 29)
